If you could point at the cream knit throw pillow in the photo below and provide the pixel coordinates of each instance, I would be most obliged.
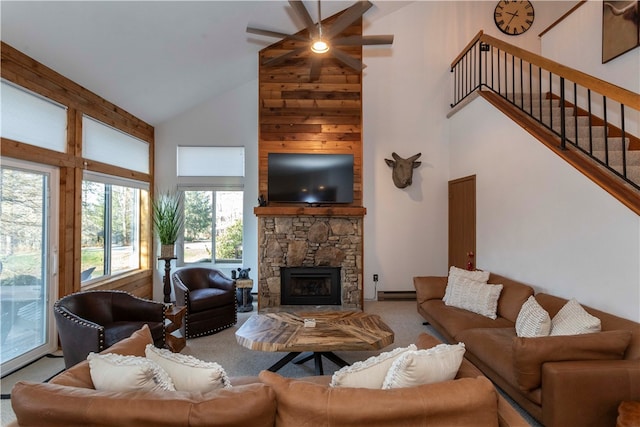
(476, 297)
(460, 276)
(533, 320)
(572, 319)
(187, 372)
(368, 373)
(433, 365)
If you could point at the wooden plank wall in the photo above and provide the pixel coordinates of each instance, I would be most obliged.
(299, 116)
(30, 74)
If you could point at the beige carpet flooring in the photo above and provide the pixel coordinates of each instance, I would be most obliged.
(223, 348)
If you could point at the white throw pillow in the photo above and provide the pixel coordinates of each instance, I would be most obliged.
(460, 276)
(413, 368)
(572, 319)
(115, 372)
(533, 320)
(187, 372)
(476, 297)
(368, 373)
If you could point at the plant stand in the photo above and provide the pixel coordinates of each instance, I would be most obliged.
(167, 278)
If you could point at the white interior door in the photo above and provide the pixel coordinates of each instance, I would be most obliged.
(28, 261)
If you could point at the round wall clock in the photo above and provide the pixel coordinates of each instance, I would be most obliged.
(513, 17)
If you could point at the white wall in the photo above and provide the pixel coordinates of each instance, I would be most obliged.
(542, 222)
(230, 119)
(584, 53)
(407, 92)
(405, 231)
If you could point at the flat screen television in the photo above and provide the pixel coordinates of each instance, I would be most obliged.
(310, 178)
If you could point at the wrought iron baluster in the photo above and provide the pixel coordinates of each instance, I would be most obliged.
(606, 131)
(563, 133)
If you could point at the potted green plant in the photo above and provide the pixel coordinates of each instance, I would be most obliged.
(168, 221)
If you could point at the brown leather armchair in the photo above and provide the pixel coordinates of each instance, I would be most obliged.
(92, 321)
(210, 298)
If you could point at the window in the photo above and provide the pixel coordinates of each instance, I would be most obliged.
(212, 180)
(110, 226)
(213, 226)
(28, 253)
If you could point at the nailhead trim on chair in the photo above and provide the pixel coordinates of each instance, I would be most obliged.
(83, 322)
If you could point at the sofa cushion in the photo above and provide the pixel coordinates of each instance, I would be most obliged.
(513, 295)
(529, 354)
(80, 375)
(533, 320)
(187, 372)
(368, 373)
(463, 402)
(572, 319)
(455, 320)
(476, 297)
(429, 287)
(608, 321)
(115, 372)
(436, 364)
(494, 347)
(63, 406)
(459, 276)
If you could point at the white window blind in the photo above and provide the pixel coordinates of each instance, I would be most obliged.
(32, 119)
(210, 161)
(108, 145)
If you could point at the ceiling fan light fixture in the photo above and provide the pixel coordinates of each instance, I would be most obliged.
(319, 46)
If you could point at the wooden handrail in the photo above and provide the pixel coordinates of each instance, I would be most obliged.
(602, 87)
(563, 17)
(466, 48)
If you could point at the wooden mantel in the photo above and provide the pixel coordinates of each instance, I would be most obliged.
(328, 211)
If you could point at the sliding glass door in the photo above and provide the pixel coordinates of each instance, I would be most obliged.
(28, 261)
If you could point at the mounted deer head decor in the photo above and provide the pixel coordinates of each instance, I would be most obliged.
(403, 169)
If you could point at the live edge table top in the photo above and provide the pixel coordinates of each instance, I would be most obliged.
(333, 331)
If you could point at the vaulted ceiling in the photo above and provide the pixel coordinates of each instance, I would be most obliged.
(155, 59)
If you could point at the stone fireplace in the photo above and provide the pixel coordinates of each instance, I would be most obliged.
(308, 242)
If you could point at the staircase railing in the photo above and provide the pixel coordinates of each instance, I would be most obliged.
(598, 118)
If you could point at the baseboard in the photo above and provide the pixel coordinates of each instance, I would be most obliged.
(396, 295)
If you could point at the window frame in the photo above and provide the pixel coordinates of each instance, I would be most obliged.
(180, 244)
(137, 243)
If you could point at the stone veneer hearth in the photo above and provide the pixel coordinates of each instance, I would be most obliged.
(309, 241)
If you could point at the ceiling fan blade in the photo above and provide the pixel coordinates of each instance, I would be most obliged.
(316, 65)
(271, 33)
(348, 17)
(281, 58)
(347, 59)
(303, 13)
(362, 40)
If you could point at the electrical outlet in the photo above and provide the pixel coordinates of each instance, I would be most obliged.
(375, 277)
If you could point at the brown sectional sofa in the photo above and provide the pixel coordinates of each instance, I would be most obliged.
(560, 380)
(70, 399)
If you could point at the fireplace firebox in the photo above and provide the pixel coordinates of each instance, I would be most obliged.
(310, 286)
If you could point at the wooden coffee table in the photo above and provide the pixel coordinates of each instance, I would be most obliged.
(333, 331)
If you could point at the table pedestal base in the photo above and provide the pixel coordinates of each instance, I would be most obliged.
(304, 357)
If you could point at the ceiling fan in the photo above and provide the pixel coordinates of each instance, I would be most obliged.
(324, 40)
